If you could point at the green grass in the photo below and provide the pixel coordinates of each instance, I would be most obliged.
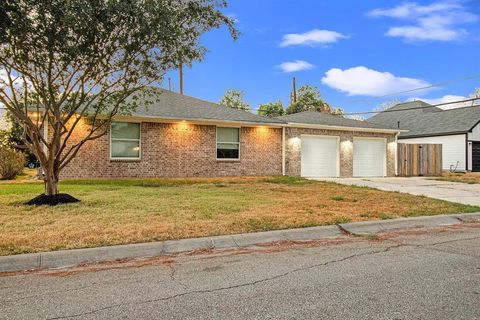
(119, 211)
(385, 216)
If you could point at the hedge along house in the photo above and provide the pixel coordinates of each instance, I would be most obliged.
(181, 136)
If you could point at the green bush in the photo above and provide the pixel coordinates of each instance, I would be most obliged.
(11, 163)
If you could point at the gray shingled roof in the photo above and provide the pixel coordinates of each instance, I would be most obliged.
(425, 120)
(171, 105)
(319, 118)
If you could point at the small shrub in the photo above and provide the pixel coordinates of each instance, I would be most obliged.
(338, 198)
(11, 163)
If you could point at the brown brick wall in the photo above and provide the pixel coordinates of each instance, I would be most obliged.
(293, 149)
(181, 150)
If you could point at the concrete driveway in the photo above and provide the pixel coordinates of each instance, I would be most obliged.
(449, 191)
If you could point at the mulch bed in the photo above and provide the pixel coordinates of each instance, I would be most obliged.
(52, 200)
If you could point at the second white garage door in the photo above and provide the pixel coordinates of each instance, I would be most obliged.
(319, 156)
(369, 157)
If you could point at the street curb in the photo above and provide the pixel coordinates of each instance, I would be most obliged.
(74, 257)
(366, 228)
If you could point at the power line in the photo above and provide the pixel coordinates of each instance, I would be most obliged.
(435, 85)
(388, 110)
(415, 108)
(412, 108)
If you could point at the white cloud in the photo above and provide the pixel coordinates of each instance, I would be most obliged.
(435, 22)
(408, 10)
(445, 99)
(367, 82)
(311, 38)
(297, 65)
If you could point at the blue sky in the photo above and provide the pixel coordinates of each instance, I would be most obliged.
(352, 50)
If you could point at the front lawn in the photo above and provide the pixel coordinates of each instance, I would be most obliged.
(127, 211)
(467, 177)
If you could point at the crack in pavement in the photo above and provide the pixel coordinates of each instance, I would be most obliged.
(175, 280)
(235, 241)
(454, 253)
(43, 294)
(252, 283)
(93, 284)
(454, 240)
(430, 246)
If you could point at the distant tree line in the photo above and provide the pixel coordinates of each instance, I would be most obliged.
(309, 98)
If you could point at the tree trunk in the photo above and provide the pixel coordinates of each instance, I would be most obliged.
(51, 182)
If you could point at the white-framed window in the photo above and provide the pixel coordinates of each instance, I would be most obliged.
(125, 140)
(228, 143)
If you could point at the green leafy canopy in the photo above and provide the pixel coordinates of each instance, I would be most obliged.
(271, 109)
(70, 59)
(234, 99)
(310, 99)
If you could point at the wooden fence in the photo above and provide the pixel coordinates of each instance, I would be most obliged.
(419, 160)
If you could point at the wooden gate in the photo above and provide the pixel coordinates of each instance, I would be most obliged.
(419, 160)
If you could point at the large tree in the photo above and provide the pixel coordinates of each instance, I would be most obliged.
(271, 109)
(310, 99)
(234, 99)
(62, 61)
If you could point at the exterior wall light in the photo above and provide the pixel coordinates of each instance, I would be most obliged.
(183, 126)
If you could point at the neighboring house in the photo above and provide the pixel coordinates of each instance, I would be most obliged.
(181, 136)
(458, 130)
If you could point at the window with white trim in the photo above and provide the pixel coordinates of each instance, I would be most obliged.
(228, 143)
(125, 140)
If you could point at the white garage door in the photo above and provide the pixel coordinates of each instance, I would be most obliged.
(319, 157)
(369, 157)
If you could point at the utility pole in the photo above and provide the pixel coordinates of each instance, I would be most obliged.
(180, 69)
(170, 83)
(294, 90)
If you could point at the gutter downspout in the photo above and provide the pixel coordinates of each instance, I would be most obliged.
(283, 151)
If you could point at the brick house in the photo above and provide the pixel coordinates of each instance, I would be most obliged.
(181, 136)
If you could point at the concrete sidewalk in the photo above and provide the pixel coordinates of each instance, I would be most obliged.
(444, 190)
(68, 258)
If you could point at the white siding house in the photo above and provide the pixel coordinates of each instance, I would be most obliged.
(475, 134)
(454, 152)
(458, 130)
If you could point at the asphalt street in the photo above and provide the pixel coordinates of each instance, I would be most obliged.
(432, 274)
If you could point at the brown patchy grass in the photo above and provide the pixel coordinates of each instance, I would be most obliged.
(140, 210)
(463, 177)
